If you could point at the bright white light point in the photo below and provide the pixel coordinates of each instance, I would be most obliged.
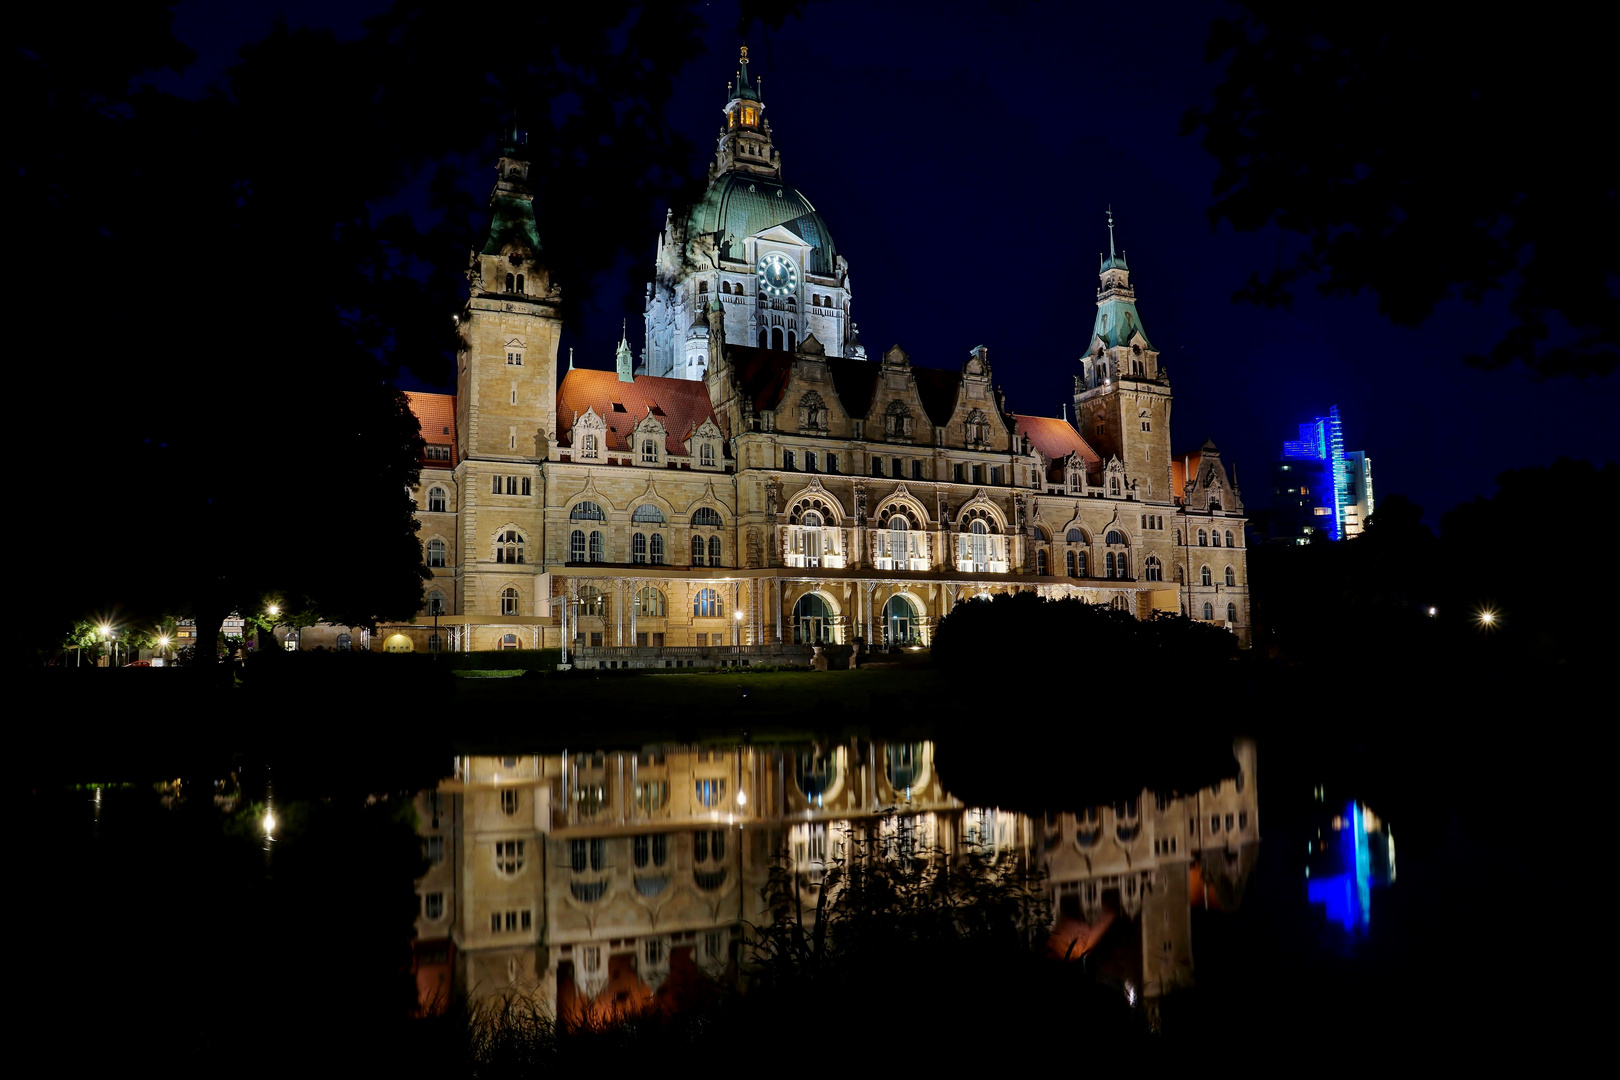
(742, 798)
(269, 823)
(1434, 611)
(274, 610)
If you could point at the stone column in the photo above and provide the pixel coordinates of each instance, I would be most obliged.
(779, 596)
(635, 587)
(870, 587)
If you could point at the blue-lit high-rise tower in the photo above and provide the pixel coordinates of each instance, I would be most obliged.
(1318, 485)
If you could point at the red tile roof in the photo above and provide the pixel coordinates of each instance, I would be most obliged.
(1180, 469)
(437, 415)
(1055, 439)
(680, 404)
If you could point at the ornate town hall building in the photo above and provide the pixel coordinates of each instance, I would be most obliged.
(762, 481)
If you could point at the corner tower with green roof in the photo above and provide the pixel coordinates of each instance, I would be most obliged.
(755, 245)
(1122, 395)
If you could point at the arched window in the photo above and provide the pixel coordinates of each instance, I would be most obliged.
(1080, 561)
(706, 516)
(706, 604)
(900, 621)
(1205, 577)
(792, 338)
(1209, 612)
(776, 338)
(1155, 569)
(509, 547)
(1075, 536)
(345, 642)
(897, 420)
(703, 287)
(638, 548)
(1229, 539)
(1231, 576)
(697, 551)
(714, 551)
(1073, 568)
(979, 546)
(1040, 563)
(1115, 537)
(812, 412)
(510, 283)
(509, 601)
(764, 341)
(435, 603)
(435, 552)
(1178, 577)
(586, 511)
(1203, 538)
(596, 546)
(1215, 538)
(436, 500)
(1231, 613)
(591, 601)
(520, 283)
(1108, 564)
(510, 641)
(648, 514)
(706, 455)
(812, 620)
(576, 546)
(650, 601)
(657, 549)
(649, 452)
(1178, 537)
(1122, 565)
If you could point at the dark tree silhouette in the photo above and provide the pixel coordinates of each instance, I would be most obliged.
(1417, 159)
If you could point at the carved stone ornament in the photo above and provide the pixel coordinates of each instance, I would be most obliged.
(771, 497)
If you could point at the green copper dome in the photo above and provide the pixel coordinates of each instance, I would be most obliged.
(739, 204)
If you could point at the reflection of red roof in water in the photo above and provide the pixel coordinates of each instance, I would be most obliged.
(679, 404)
(1197, 893)
(1071, 939)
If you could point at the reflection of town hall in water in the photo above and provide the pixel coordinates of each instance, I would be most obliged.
(596, 878)
(763, 481)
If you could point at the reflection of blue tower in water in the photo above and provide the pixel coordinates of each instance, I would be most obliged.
(1354, 853)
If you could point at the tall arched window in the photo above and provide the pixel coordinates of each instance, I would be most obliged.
(576, 546)
(1215, 538)
(638, 548)
(586, 511)
(812, 620)
(979, 546)
(1122, 564)
(900, 621)
(657, 549)
(435, 603)
(650, 601)
(1231, 576)
(1108, 564)
(776, 338)
(1073, 568)
(1178, 537)
(596, 546)
(810, 538)
(509, 547)
(706, 516)
(1231, 613)
(764, 341)
(1155, 569)
(510, 283)
(1040, 562)
(436, 500)
(520, 283)
(1115, 537)
(1080, 558)
(706, 604)
(510, 641)
(714, 551)
(509, 601)
(1209, 612)
(1203, 538)
(1205, 577)
(1229, 539)
(697, 551)
(435, 552)
(792, 338)
(897, 539)
(649, 514)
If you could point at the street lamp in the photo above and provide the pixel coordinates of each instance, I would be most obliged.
(1487, 619)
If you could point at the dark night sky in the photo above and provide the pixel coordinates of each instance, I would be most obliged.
(963, 156)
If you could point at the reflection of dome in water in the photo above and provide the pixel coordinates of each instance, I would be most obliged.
(738, 205)
(398, 643)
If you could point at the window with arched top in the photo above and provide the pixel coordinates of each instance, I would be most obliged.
(1203, 538)
(510, 283)
(897, 420)
(1231, 576)
(900, 622)
(651, 602)
(509, 547)
(509, 601)
(812, 412)
(1040, 563)
(596, 547)
(586, 511)
(510, 641)
(520, 287)
(1209, 612)
(707, 517)
(1205, 577)
(1215, 538)
(1154, 570)
(437, 500)
(1229, 539)
(1178, 537)
(1231, 613)
(576, 546)
(1075, 536)
(638, 548)
(706, 604)
(714, 551)
(657, 549)
(435, 603)
(698, 550)
(1115, 537)
(436, 549)
(1073, 566)
(648, 514)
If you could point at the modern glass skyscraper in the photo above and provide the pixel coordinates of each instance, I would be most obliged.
(1319, 485)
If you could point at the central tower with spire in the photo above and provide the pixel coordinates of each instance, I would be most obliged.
(754, 245)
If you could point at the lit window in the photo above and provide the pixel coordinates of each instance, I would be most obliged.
(435, 552)
(596, 546)
(509, 604)
(509, 547)
(711, 793)
(436, 500)
(651, 601)
(586, 511)
(697, 551)
(706, 605)
(638, 548)
(657, 549)
(706, 455)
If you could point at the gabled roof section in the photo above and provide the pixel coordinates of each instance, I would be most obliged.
(437, 415)
(679, 404)
(1055, 439)
(938, 391)
(855, 381)
(762, 374)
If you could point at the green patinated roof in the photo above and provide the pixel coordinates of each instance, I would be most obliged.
(744, 91)
(1122, 323)
(1113, 262)
(738, 204)
(511, 222)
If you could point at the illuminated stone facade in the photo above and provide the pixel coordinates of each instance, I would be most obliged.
(586, 880)
(765, 498)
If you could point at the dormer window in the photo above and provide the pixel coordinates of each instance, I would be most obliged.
(649, 452)
(706, 455)
(589, 448)
(514, 358)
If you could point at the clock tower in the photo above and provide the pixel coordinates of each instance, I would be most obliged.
(1122, 395)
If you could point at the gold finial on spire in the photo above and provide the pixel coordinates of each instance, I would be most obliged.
(745, 54)
(1110, 230)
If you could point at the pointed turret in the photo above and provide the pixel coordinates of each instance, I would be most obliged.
(1117, 322)
(745, 141)
(622, 360)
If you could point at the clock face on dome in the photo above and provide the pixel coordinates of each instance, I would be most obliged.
(777, 274)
